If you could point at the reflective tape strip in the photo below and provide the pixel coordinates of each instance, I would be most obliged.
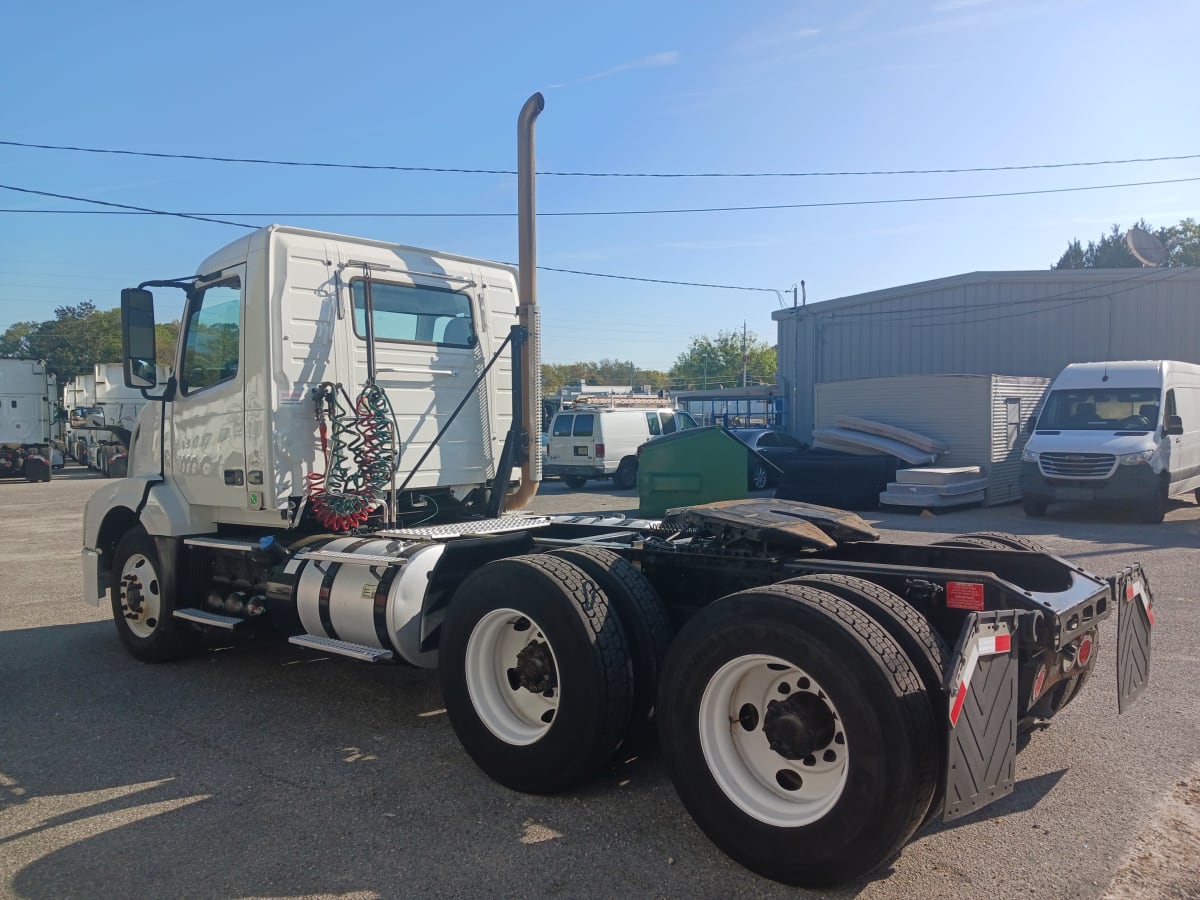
(989, 645)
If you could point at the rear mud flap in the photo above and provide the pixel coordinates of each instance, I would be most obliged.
(982, 686)
(1135, 618)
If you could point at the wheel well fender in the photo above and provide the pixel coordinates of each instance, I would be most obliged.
(116, 523)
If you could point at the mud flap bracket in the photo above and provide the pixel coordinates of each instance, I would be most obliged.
(982, 688)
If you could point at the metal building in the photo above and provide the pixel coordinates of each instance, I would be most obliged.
(981, 323)
(983, 419)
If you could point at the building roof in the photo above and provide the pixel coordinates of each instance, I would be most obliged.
(1065, 276)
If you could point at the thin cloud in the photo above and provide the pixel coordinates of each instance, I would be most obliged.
(653, 61)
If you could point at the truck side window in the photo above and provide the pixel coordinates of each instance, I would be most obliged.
(414, 313)
(212, 346)
(1170, 404)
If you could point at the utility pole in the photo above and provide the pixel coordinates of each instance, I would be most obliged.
(745, 358)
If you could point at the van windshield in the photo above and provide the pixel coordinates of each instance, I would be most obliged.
(1103, 409)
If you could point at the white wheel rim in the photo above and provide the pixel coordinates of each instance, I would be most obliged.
(512, 711)
(141, 595)
(762, 782)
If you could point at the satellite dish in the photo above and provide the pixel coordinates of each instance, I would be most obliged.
(1147, 248)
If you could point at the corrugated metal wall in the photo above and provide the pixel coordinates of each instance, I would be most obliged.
(969, 413)
(1020, 323)
(1005, 471)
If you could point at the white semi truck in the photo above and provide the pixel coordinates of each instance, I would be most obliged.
(341, 456)
(28, 419)
(102, 413)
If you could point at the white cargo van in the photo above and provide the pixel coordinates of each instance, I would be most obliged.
(602, 443)
(1126, 432)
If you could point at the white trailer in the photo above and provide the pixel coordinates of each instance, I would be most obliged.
(28, 417)
(350, 423)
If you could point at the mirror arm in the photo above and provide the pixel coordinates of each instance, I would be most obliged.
(168, 393)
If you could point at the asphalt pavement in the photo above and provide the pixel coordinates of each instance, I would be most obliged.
(263, 770)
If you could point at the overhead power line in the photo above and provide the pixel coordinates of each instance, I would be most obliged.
(219, 218)
(196, 157)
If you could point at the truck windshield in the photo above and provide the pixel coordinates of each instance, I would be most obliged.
(1104, 409)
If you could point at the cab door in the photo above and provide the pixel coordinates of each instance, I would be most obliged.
(207, 450)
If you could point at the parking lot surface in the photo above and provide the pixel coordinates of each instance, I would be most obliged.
(263, 770)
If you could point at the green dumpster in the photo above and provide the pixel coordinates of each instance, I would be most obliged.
(699, 465)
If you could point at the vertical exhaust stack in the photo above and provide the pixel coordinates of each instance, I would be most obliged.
(527, 311)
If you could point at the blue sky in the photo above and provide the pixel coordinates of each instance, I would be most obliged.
(629, 87)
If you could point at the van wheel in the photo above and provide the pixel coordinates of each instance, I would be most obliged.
(575, 482)
(1153, 511)
(1034, 506)
(625, 477)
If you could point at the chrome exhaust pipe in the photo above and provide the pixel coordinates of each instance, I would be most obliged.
(527, 311)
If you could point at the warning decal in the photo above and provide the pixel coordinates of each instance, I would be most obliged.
(964, 595)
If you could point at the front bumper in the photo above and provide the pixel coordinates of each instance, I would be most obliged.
(1126, 484)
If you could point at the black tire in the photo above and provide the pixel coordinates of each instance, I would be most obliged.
(35, 468)
(648, 630)
(1034, 507)
(1154, 510)
(565, 612)
(880, 711)
(625, 478)
(925, 648)
(119, 467)
(973, 541)
(575, 482)
(137, 587)
(1010, 541)
(759, 478)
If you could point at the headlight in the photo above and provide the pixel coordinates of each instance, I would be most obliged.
(1133, 459)
(1028, 455)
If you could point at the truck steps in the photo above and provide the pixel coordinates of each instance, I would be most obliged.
(361, 559)
(463, 529)
(211, 619)
(217, 543)
(343, 648)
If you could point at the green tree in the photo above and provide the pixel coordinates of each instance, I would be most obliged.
(718, 362)
(1111, 252)
(77, 338)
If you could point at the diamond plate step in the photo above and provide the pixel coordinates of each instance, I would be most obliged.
(461, 529)
(342, 648)
(362, 559)
(211, 619)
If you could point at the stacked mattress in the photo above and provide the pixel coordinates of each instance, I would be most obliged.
(929, 488)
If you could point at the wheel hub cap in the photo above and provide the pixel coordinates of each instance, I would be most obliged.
(535, 668)
(799, 725)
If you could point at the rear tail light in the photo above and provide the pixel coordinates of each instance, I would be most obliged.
(599, 451)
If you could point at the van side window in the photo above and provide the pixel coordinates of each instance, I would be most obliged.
(652, 421)
(668, 423)
(562, 426)
(584, 423)
(685, 421)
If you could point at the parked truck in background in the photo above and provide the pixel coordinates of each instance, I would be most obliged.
(28, 419)
(342, 454)
(102, 412)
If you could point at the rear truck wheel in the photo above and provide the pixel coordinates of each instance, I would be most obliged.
(143, 600)
(798, 734)
(575, 482)
(1005, 541)
(1034, 507)
(625, 478)
(119, 467)
(35, 468)
(759, 478)
(648, 630)
(535, 672)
